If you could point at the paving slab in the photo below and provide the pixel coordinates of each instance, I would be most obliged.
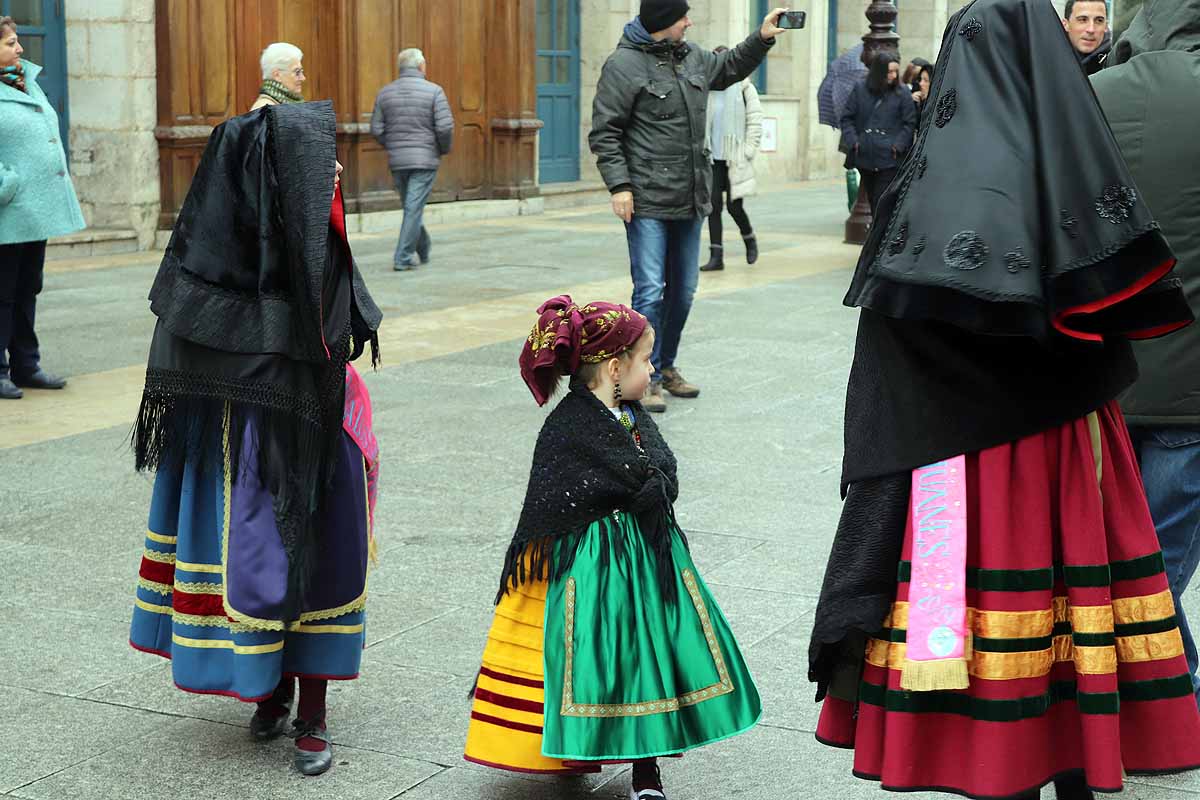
(44, 733)
(192, 759)
(66, 653)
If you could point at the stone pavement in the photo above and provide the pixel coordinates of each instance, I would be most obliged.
(87, 717)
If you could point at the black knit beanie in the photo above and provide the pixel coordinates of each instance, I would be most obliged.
(658, 15)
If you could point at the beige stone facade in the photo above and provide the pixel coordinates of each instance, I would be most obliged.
(113, 109)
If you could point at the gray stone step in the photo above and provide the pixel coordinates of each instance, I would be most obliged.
(92, 242)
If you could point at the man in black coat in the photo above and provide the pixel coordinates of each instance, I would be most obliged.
(648, 132)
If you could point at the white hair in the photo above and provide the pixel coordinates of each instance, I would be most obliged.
(412, 57)
(279, 56)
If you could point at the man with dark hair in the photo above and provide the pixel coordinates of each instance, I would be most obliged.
(648, 132)
(1151, 96)
(1086, 22)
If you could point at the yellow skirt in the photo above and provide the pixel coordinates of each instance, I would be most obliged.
(505, 730)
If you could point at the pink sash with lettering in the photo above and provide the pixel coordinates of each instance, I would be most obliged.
(938, 646)
(356, 420)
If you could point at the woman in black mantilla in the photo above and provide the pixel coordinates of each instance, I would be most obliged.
(606, 645)
(259, 429)
(1009, 623)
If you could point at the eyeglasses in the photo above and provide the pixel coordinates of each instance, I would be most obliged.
(298, 72)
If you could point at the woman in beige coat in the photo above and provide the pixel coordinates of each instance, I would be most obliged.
(734, 135)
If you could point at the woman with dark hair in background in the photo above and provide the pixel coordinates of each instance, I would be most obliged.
(921, 90)
(912, 77)
(878, 124)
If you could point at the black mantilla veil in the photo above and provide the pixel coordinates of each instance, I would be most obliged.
(259, 308)
(1015, 213)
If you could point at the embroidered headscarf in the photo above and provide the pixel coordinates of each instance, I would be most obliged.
(567, 335)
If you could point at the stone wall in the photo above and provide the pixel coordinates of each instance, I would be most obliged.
(113, 106)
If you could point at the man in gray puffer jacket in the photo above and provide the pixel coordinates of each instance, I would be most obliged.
(412, 121)
(648, 133)
(1150, 93)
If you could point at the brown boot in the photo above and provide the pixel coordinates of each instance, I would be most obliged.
(674, 383)
(653, 401)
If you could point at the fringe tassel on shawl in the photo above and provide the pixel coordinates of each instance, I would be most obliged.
(552, 558)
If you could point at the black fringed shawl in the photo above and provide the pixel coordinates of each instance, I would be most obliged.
(259, 309)
(586, 465)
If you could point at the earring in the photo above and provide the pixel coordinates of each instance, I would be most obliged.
(617, 392)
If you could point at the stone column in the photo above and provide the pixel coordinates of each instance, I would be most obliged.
(113, 103)
(882, 38)
(513, 99)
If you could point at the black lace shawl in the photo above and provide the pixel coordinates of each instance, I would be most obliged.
(259, 309)
(586, 465)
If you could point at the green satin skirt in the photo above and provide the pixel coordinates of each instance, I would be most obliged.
(627, 675)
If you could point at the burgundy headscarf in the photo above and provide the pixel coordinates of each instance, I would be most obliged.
(567, 335)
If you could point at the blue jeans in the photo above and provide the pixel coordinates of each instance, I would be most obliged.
(414, 186)
(1170, 461)
(664, 261)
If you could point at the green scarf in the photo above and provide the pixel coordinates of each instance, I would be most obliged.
(279, 93)
(14, 76)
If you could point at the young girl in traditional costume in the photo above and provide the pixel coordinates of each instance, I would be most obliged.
(606, 645)
(254, 571)
(995, 616)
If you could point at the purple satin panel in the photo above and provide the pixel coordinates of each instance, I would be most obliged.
(256, 565)
(341, 573)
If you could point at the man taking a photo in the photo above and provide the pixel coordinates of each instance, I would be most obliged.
(648, 132)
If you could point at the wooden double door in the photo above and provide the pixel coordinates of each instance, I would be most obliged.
(481, 52)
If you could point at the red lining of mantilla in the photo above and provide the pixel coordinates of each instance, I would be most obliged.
(1109, 301)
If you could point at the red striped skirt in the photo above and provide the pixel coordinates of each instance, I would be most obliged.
(1077, 664)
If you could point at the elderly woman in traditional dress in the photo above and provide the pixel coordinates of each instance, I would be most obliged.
(283, 75)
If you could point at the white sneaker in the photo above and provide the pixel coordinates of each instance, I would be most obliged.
(647, 794)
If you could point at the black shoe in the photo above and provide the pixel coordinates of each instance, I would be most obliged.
(9, 390)
(40, 379)
(309, 763)
(264, 728)
(751, 248)
(716, 260)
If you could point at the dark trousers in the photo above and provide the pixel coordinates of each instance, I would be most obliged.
(874, 182)
(737, 209)
(20, 281)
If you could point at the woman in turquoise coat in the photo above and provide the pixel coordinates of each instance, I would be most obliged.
(37, 201)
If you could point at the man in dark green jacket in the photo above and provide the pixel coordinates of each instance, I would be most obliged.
(648, 131)
(1151, 96)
